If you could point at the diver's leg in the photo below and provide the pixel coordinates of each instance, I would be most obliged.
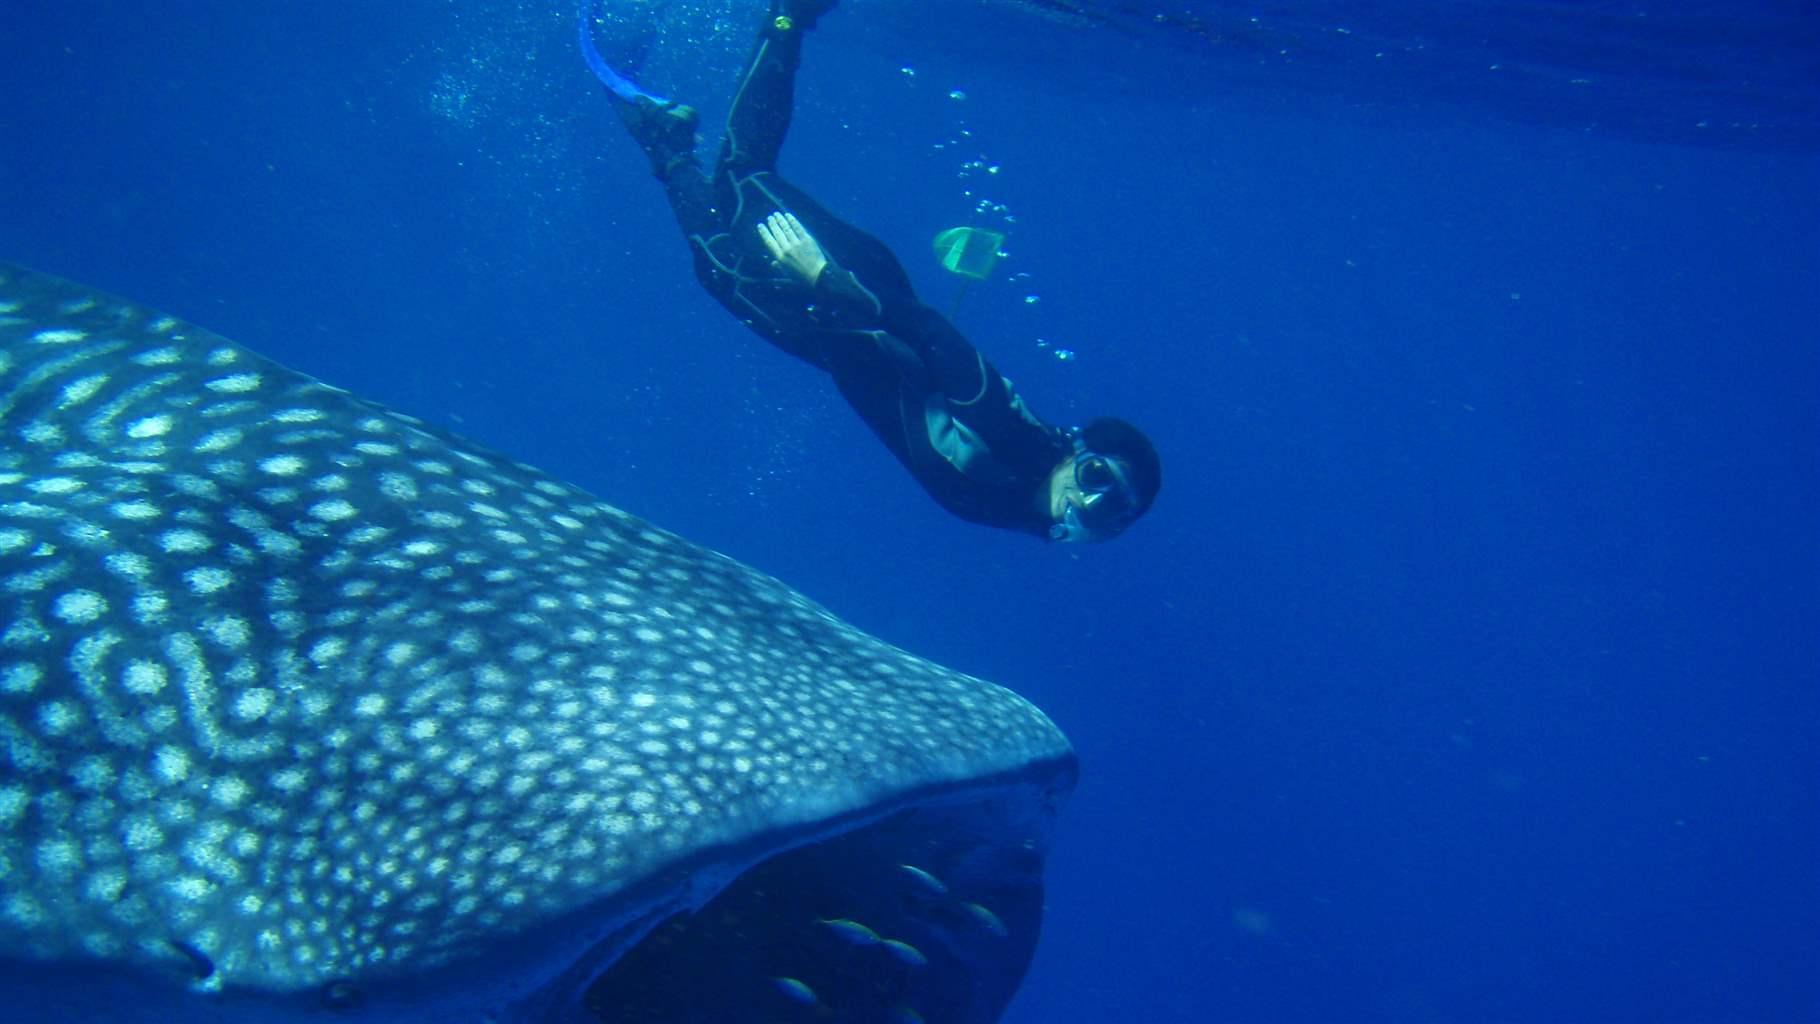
(667, 135)
(760, 114)
(691, 199)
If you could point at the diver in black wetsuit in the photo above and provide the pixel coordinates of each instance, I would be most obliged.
(836, 297)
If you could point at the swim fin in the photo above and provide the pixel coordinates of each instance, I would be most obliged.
(618, 84)
(663, 128)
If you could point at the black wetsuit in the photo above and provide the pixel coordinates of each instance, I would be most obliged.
(954, 422)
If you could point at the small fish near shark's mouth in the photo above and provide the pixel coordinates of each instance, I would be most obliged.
(929, 914)
(312, 712)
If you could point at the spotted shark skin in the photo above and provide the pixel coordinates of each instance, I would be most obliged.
(310, 711)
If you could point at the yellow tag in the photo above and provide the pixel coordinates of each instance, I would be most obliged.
(783, 23)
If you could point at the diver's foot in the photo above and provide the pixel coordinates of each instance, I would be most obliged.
(801, 14)
(664, 129)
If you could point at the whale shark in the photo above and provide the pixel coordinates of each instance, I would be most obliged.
(311, 711)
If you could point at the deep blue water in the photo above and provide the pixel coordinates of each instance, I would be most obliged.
(1468, 667)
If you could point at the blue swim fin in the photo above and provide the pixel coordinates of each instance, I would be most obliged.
(616, 83)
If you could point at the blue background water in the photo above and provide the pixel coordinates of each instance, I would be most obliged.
(1466, 668)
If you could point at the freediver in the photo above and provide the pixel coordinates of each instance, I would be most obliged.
(835, 297)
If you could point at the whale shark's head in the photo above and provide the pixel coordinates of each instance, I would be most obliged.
(309, 711)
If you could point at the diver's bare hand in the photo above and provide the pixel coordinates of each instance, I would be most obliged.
(792, 246)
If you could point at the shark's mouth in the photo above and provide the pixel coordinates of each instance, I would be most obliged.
(930, 914)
